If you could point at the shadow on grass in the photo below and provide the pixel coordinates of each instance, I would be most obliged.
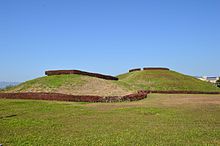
(9, 116)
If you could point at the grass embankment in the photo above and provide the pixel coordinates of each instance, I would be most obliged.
(157, 120)
(128, 83)
(165, 81)
(72, 84)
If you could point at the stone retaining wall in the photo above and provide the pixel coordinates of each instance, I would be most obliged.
(88, 98)
(74, 98)
(149, 68)
(155, 68)
(135, 69)
(60, 72)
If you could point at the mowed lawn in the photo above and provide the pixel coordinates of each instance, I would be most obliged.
(157, 120)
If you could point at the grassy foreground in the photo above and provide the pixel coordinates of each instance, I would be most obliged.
(157, 120)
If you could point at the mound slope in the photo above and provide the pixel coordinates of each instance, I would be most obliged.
(164, 80)
(72, 84)
(128, 83)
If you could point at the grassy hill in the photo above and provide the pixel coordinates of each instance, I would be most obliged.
(163, 80)
(72, 84)
(128, 83)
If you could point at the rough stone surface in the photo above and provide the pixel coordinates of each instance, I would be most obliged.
(74, 98)
(61, 72)
(155, 68)
(88, 98)
(135, 69)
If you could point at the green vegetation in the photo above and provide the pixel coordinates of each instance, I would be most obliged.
(218, 83)
(49, 83)
(71, 84)
(157, 120)
(164, 80)
(128, 83)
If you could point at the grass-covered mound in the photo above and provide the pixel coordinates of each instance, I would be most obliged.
(164, 80)
(71, 84)
(128, 83)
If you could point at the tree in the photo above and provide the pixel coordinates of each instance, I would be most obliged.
(218, 83)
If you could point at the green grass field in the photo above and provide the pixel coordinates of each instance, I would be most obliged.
(157, 120)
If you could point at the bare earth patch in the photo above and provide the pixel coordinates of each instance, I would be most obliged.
(94, 86)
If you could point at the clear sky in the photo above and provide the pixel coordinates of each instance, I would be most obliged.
(108, 36)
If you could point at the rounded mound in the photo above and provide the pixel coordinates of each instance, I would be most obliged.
(164, 80)
(71, 84)
(74, 84)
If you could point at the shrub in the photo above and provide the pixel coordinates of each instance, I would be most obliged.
(218, 83)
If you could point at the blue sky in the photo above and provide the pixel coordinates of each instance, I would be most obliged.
(108, 36)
